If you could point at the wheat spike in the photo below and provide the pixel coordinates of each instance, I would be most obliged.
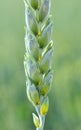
(38, 57)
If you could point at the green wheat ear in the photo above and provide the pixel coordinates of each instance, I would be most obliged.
(38, 57)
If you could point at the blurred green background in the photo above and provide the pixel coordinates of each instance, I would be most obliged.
(65, 95)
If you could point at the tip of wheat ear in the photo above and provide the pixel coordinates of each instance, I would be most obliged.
(38, 57)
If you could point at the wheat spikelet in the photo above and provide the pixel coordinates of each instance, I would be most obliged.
(38, 57)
